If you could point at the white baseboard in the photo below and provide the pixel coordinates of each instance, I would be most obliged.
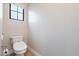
(33, 51)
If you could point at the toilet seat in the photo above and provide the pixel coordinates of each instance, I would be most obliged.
(19, 46)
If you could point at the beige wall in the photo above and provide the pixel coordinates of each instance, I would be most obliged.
(54, 29)
(1, 20)
(13, 27)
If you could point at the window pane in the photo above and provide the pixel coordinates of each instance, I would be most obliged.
(13, 7)
(13, 15)
(20, 9)
(20, 16)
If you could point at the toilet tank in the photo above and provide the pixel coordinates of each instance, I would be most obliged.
(17, 38)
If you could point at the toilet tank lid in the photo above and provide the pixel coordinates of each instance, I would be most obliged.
(16, 37)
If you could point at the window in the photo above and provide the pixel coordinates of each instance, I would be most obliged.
(16, 12)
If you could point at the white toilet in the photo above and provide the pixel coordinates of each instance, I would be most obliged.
(19, 46)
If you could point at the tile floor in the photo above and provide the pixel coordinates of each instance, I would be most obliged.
(28, 53)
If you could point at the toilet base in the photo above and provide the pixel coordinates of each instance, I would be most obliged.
(20, 53)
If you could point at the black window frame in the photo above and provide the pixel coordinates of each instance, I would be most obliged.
(17, 13)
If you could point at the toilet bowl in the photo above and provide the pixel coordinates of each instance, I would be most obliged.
(19, 46)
